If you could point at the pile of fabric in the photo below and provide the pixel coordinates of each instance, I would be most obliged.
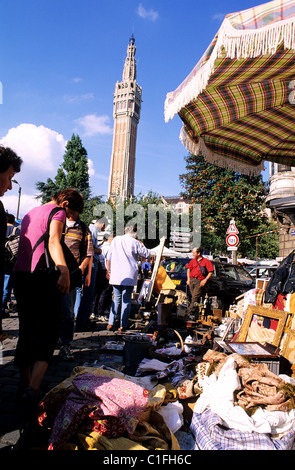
(101, 409)
(238, 405)
(243, 406)
(184, 376)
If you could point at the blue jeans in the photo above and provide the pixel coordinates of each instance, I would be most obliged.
(78, 300)
(68, 318)
(7, 288)
(121, 305)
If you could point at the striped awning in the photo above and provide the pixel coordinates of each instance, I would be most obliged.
(238, 103)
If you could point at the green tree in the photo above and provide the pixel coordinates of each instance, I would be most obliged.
(72, 173)
(225, 195)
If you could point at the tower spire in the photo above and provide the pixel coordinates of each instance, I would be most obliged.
(129, 71)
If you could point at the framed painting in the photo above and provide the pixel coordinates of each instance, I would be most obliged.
(250, 349)
(280, 317)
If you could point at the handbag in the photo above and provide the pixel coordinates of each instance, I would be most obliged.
(203, 269)
(72, 263)
(11, 246)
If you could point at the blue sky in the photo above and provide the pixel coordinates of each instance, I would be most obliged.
(59, 63)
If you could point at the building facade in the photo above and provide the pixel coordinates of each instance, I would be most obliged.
(281, 201)
(126, 114)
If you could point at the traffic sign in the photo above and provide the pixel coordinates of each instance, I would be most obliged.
(232, 228)
(232, 240)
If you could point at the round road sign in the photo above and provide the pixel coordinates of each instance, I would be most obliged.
(232, 239)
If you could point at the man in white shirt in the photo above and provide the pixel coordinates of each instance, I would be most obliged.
(122, 271)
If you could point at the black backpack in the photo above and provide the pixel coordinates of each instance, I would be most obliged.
(75, 272)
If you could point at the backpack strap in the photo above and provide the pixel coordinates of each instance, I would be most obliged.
(45, 236)
(82, 248)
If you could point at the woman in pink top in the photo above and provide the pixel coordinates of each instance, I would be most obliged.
(39, 299)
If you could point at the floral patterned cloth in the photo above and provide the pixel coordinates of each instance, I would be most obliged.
(103, 404)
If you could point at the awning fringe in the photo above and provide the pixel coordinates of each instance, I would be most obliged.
(217, 159)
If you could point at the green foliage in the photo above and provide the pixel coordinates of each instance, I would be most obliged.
(225, 195)
(47, 190)
(72, 173)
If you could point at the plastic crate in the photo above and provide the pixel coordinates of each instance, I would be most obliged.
(272, 364)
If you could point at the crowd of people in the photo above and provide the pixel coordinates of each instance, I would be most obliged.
(63, 275)
(66, 273)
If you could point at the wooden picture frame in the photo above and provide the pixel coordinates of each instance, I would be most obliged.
(288, 351)
(273, 314)
(250, 349)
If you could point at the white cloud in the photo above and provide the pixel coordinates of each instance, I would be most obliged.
(40, 147)
(42, 151)
(93, 124)
(90, 168)
(27, 202)
(147, 14)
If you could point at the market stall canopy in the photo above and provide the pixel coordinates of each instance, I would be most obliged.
(238, 103)
(166, 252)
(245, 261)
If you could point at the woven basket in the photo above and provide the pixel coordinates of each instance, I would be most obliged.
(167, 357)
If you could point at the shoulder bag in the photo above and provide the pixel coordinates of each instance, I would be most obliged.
(73, 266)
(203, 269)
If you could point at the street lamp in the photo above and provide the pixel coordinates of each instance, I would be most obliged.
(19, 195)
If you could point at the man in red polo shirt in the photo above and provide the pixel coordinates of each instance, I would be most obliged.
(196, 280)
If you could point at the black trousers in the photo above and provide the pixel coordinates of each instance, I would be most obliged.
(103, 293)
(39, 305)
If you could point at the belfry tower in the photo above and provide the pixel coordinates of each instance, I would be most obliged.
(126, 114)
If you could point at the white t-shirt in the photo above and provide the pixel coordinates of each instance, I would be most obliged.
(123, 255)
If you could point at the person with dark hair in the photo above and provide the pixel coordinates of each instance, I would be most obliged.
(74, 199)
(83, 322)
(146, 269)
(79, 241)
(39, 296)
(10, 163)
(199, 271)
(104, 291)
